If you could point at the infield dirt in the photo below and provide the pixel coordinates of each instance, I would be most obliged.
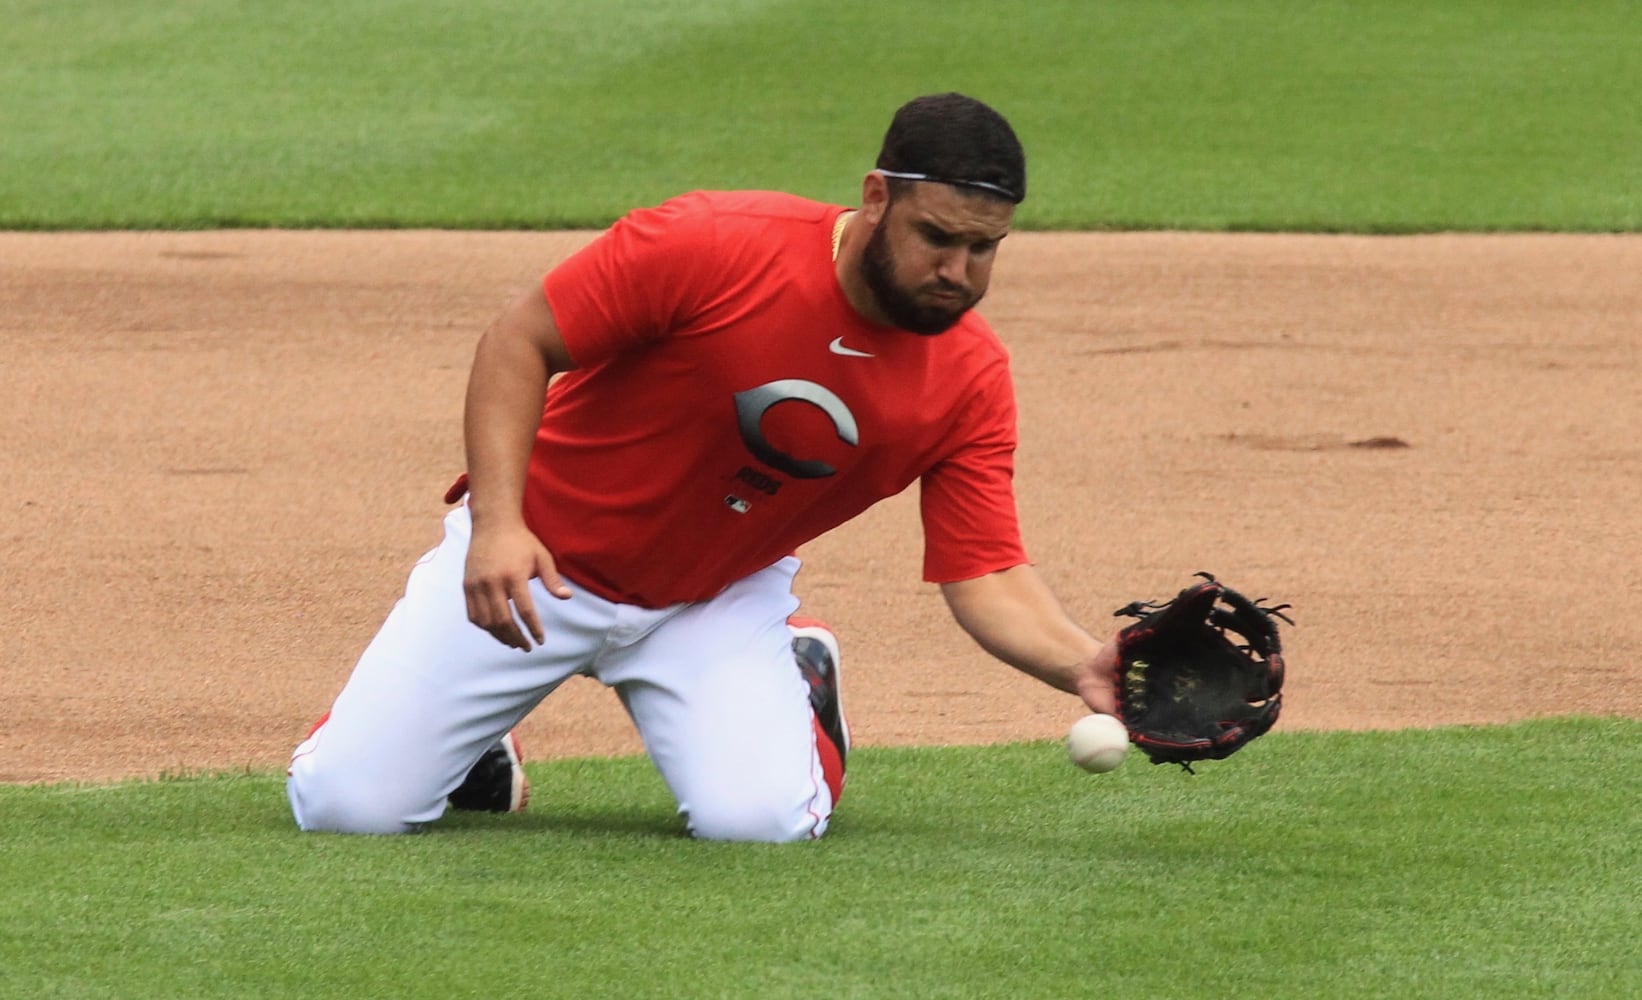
(224, 450)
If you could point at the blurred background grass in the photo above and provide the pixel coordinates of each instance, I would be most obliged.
(1256, 114)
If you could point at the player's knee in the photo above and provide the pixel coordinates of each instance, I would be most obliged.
(320, 805)
(755, 822)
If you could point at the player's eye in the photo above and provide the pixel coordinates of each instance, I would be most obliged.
(939, 238)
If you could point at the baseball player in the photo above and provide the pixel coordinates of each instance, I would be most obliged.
(651, 435)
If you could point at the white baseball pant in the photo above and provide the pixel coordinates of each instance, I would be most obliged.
(712, 688)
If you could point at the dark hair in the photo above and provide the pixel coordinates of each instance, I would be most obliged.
(953, 139)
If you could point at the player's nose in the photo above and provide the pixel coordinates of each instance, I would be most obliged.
(952, 268)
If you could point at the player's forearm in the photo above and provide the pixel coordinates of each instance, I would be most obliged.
(515, 359)
(1014, 616)
(502, 412)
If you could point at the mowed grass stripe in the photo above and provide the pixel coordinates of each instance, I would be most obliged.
(1388, 116)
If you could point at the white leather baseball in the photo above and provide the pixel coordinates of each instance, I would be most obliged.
(1097, 743)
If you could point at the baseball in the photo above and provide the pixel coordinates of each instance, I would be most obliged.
(1097, 743)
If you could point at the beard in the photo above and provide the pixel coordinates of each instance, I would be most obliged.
(899, 305)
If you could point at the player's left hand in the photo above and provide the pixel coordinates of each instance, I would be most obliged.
(1097, 681)
(1201, 674)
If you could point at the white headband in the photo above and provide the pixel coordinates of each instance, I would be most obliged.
(982, 185)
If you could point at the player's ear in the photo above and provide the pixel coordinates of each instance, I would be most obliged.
(874, 196)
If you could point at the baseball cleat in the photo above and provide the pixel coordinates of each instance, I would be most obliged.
(816, 650)
(496, 783)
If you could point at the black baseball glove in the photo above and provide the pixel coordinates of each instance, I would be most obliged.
(1201, 675)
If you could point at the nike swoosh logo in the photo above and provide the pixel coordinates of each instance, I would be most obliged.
(837, 347)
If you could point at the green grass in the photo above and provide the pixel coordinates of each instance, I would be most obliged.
(1479, 862)
(1390, 115)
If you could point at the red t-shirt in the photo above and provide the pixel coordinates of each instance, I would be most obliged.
(730, 405)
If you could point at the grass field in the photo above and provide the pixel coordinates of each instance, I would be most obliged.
(1478, 862)
(1199, 114)
(1490, 862)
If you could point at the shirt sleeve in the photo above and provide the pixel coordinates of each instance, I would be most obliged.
(967, 500)
(635, 282)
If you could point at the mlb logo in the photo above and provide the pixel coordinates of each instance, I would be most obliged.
(737, 504)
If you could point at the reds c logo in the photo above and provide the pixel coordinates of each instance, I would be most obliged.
(752, 404)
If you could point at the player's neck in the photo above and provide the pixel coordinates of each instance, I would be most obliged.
(849, 239)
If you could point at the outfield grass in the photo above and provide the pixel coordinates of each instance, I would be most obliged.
(1251, 114)
(1479, 862)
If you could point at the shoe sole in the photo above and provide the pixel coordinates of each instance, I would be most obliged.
(519, 789)
(812, 628)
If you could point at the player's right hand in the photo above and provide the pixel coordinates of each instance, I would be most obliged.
(501, 562)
